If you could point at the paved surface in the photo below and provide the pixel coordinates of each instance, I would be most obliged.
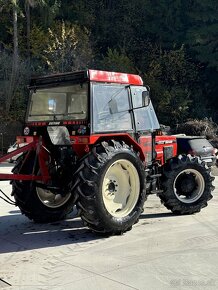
(162, 251)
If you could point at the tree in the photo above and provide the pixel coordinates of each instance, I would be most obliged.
(174, 82)
(202, 30)
(126, 35)
(204, 127)
(14, 74)
(46, 13)
(13, 69)
(68, 48)
(28, 5)
(117, 61)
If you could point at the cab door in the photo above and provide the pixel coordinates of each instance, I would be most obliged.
(145, 120)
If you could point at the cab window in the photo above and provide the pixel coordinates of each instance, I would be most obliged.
(110, 108)
(145, 117)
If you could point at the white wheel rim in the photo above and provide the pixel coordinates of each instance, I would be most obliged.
(198, 185)
(121, 188)
(50, 199)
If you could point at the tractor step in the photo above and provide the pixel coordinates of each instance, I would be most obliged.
(155, 175)
(157, 191)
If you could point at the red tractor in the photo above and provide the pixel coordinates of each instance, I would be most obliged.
(92, 142)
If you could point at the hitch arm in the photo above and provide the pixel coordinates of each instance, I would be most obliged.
(37, 146)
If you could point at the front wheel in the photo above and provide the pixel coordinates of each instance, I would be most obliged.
(110, 186)
(37, 203)
(187, 184)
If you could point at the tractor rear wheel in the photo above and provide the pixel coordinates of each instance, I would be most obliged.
(37, 203)
(110, 185)
(187, 184)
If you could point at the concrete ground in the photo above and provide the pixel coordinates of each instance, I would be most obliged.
(162, 251)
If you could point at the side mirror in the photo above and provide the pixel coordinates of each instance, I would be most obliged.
(145, 98)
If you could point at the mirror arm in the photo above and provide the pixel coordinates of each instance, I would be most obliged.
(148, 88)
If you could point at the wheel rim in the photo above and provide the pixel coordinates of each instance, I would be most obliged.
(121, 188)
(189, 185)
(50, 199)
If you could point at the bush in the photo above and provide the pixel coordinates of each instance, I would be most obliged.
(204, 127)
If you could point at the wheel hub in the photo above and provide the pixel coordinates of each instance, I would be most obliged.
(112, 186)
(120, 188)
(52, 199)
(186, 183)
(189, 185)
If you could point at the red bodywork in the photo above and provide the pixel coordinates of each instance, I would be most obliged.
(161, 143)
(115, 77)
(42, 154)
(82, 145)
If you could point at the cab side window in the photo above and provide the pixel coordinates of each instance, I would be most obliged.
(111, 108)
(145, 117)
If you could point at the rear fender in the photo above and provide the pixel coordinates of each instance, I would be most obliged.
(94, 139)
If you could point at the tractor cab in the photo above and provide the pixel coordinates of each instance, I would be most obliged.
(80, 108)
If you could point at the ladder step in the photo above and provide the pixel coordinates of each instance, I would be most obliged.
(155, 175)
(157, 191)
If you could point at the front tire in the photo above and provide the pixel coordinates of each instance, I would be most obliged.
(187, 184)
(36, 203)
(110, 185)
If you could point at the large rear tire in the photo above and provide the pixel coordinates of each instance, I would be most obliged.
(110, 185)
(187, 184)
(36, 203)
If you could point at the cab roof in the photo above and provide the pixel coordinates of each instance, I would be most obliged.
(115, 77)
(83, 76)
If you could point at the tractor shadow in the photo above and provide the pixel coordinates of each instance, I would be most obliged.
(17, 233)
(145, 216)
